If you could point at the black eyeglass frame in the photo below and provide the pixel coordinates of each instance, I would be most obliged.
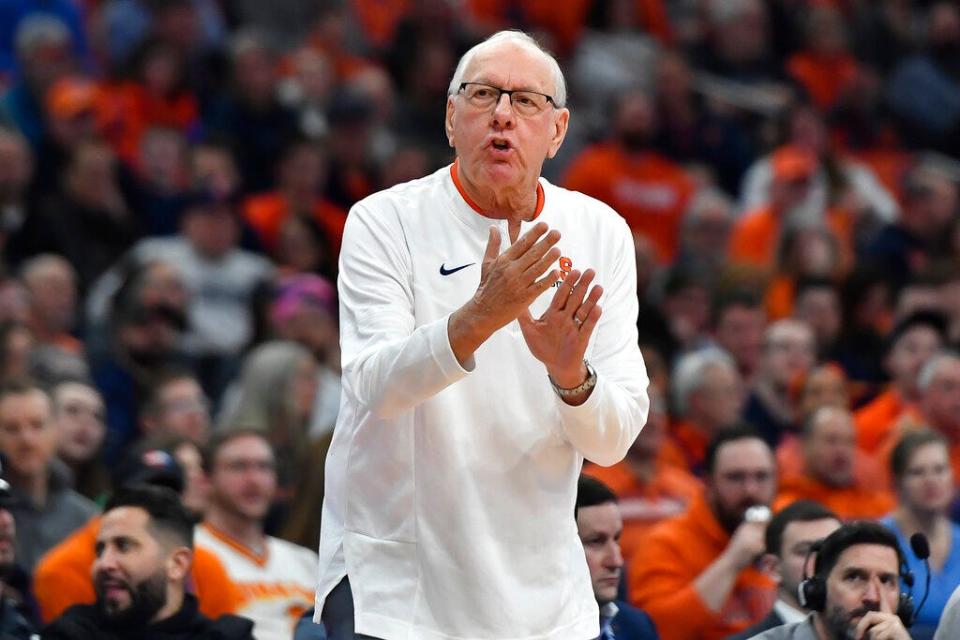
(509, 92)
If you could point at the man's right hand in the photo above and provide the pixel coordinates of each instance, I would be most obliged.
(509, 283)
(747, 544)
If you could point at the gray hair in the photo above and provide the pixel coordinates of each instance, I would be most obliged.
(931, 368)
(690, 371)
(42, 264)
(40, 30)
(704, 200)
(521, 39)
(720, 12)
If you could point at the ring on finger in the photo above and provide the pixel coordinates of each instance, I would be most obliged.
(577, 321)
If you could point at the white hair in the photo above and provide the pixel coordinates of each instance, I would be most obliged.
(691, 370)
(521, 39)
(931, 368)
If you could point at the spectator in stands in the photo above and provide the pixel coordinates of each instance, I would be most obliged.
(648, 487)
(827, 386)
(855, 588)
(16, 347)
(147, 318)
(176, 406)
(788, 355)
(704, 233)
(739, 323)
(87, 221)
(707, 397)
(698, 579)
(17, 169)
(63, 576)
(910, 345)
(43, 46)
(13, 623)
(938, 383)
(760, 231)
(79, 417)
(829, 445)
(932, 73)
(52, 286)
(250, 114)
(301, 175)
(921, 234)
(305, 311)
(43, 503)
(648, 189)
(836, 182)
(276, 579)
(824, 66)
(144, 553)
(817, 304)
(72, 114)
(923, 478)
(162, 179)
(599, 526)
(221, 279)
(789, 539)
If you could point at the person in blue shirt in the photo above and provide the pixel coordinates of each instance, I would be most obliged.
(599, 525)
(925, 488)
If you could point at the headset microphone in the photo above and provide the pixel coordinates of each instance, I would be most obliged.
(921, 549)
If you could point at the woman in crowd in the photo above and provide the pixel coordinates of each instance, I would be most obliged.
(923, 479)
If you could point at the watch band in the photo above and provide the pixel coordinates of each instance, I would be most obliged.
(586, 385)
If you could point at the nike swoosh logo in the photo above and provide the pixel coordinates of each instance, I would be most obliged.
(446, 272)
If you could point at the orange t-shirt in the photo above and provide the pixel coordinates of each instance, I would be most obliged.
(650, 191)
(675, 552)
(642, 505)
(824, 78)
(878, 418)
(267, 212)
(849, 503)
(866, 469)
(63, 577)
(755, 238)
(685, 447)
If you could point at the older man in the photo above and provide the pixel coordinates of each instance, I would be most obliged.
(829, 443)
(469, 404)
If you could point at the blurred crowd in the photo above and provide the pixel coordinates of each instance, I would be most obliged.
(174, 180)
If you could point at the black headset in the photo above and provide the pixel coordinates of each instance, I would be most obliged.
(812, 592)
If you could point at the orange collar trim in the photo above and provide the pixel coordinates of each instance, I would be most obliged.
(239, 547)
(475, 206)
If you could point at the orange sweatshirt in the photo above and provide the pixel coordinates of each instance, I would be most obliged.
(674, 553)
(849, 503)
(644, 504)
(63, 577)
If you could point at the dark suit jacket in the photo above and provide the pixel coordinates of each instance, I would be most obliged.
(631, 623)
(772, 620)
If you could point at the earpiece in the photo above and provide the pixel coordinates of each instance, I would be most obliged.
(812, 592)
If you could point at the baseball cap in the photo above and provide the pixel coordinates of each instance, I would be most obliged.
(301, 291)
(71, 96)
(791, 163)
(149, 466)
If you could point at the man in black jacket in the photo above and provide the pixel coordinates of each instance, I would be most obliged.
(144, 552)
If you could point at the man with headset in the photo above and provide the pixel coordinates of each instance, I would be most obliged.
(854, 592)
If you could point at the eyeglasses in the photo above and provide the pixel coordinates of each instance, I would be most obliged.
(525, 103)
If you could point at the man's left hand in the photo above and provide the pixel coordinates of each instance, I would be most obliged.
(560, 336)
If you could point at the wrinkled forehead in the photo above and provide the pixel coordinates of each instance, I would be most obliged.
(510, 65)
(874, 558)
